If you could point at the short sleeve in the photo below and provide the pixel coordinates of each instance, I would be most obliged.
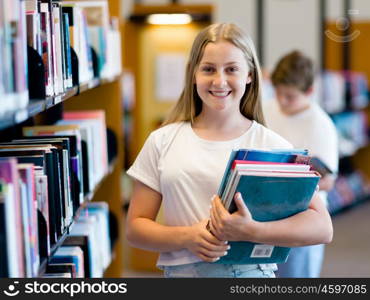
(145, 167)
(325, 145)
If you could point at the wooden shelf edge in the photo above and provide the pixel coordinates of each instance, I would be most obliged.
(37, 106)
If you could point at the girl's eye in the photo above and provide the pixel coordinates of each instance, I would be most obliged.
(232, 69)
(207, 69)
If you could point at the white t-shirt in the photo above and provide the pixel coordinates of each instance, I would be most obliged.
(187, 171)
(311, 129)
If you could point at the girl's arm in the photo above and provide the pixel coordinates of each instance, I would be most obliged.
(312, 226)
(144, 232)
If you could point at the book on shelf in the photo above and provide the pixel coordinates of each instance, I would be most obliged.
(79, 39)
(29, 218)
(95, 120)
(13, 57)
(91, 30)
(60, 270)
(70, 254)
(90, 162)
(73, 145)
(47, 48)
(101, 211)
(274, 185)
(32, 221)
(46, 175)
(36, 208)
(48, 158)
(41, 185)
(91, 232)
(57, 275)
(4, 265)
(36, 241)
(64, 163)
(56, 31)
(69, 172)
(47, 35)
(13, 264)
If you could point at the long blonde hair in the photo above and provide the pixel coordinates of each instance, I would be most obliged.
(189, 104)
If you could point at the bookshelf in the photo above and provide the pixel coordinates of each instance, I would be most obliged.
(110, 189)
(353, 184)
(36, 106)
(101, 92)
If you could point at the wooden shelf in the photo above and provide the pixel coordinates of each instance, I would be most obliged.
(111, 168)
(98, 94)
(54, 248)
(37, 106)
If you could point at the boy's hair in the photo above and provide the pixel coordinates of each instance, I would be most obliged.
(189, 104)
(294, 69)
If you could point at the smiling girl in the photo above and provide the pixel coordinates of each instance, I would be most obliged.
(181, 165)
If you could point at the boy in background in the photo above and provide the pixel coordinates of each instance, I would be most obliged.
(294, 116)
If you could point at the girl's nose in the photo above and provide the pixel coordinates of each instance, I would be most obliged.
(219, 80)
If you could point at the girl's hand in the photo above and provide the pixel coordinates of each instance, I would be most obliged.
(203, 244)
(231, 227)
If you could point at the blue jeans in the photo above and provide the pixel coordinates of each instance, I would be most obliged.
(303, 262)
(204, 269)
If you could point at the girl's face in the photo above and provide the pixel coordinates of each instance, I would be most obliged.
(222, 76)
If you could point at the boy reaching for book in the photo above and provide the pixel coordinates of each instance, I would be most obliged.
(303, 123)
(181, 165)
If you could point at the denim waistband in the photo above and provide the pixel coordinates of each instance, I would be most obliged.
(244, 267)
(204, 269)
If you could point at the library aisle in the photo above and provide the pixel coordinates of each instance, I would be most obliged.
(348, 254)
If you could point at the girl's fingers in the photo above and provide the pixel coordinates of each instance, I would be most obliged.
(213, 225)
(218, 213)
(217, 248)
(214, 212)
(240, 204)
(206, 258)
(219, 210)
(219, 218)
(212, 254)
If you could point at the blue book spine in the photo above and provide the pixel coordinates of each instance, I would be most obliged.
(67, 48)
(226, 175)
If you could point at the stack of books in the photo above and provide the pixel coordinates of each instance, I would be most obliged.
(69, 36)
(45, 176)
(274, 185)
(86, 251)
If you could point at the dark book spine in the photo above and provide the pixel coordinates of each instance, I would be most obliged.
(4, 269)
(53, 196)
